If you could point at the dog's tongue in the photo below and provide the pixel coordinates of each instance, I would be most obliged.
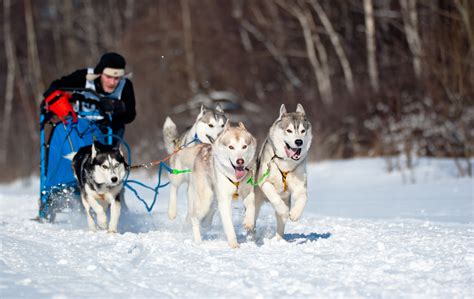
(239, 172)
(294, 154)
(290, 152)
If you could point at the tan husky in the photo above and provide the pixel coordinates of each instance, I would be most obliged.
(220, 173)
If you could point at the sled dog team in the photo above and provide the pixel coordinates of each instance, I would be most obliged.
(225, 167)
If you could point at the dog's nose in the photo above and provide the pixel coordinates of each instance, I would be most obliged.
(240, 162)
(299, 142)
(114, 179)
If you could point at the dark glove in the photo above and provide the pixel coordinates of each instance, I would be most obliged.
(109, 105)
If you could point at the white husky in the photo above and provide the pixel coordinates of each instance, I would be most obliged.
(220, 173)
(282, 166)
(208, 125)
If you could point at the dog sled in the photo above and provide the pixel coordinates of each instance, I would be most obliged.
(69, 120)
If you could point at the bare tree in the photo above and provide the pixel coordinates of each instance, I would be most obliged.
(370, 44)
(33, 55)
(336, 42)
(312, 41)
(91, 29)
(188, 46)
(10, 52)
(410, 24)
(274, 51)
(72, 45)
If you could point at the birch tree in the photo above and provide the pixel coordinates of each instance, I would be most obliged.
(410, 25)
(370, 44)
(336, 42)
(312, 42)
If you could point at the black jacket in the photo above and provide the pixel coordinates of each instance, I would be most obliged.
(78, 80)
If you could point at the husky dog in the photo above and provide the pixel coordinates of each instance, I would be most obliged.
(206, 128)
(100, 171)
(220, 172)
(282, 163)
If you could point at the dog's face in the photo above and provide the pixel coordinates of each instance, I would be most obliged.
(291, 134)
(235, 149)
(109, 165)
(209, 124)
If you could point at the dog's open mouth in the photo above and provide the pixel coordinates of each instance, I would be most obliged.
(239, 171)
(293, 153)
(211, 140)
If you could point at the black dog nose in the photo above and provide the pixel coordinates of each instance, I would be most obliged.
(299, 142)
(114, 179)
(240, 161)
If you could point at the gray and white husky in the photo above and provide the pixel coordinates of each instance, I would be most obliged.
(100, 171)
(282, 164)
(208, 125)
(220, 173)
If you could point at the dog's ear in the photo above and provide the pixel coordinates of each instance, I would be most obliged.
(93, 151)
(219, 108)
(242, 126)
(201, 113)
(227, 125)
(300, 109)
(282, 110)
(121, 150)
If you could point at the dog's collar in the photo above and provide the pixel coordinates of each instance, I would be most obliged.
(235, 195)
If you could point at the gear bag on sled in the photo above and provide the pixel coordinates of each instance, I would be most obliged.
(64, 128)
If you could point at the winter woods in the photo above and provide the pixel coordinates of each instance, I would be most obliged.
(378, 77)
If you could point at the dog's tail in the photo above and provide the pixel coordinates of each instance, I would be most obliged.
(170, 133)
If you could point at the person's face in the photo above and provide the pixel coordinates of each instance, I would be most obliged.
(109, 83)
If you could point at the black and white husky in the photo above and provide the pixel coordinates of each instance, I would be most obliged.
(100, 171)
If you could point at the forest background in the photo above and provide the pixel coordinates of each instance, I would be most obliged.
(390, 78)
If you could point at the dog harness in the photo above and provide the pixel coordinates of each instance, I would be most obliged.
(283, 179)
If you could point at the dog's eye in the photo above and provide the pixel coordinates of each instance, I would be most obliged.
(222, 126)
(211, 126)
(244, 147)
(116, 165)
(231, 147)
(105, 166)
(302, 131)
(289, 131)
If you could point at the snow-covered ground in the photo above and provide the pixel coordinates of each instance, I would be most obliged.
(365, 233)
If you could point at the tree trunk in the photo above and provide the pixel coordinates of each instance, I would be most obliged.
(7, 109)
(33, 55)
(410, 24)
(72, 46)
(92, 39)
(334, 37)
(370, 44)
(188, 46)
(319, 66)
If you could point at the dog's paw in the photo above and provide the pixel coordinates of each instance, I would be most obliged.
(295, 215)
(248, 225)
(172, 214)
(112, 231)
(234, 245)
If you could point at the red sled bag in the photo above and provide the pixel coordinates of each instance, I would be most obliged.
(58, 102)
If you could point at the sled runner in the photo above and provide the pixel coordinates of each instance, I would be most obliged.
(69, 120)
